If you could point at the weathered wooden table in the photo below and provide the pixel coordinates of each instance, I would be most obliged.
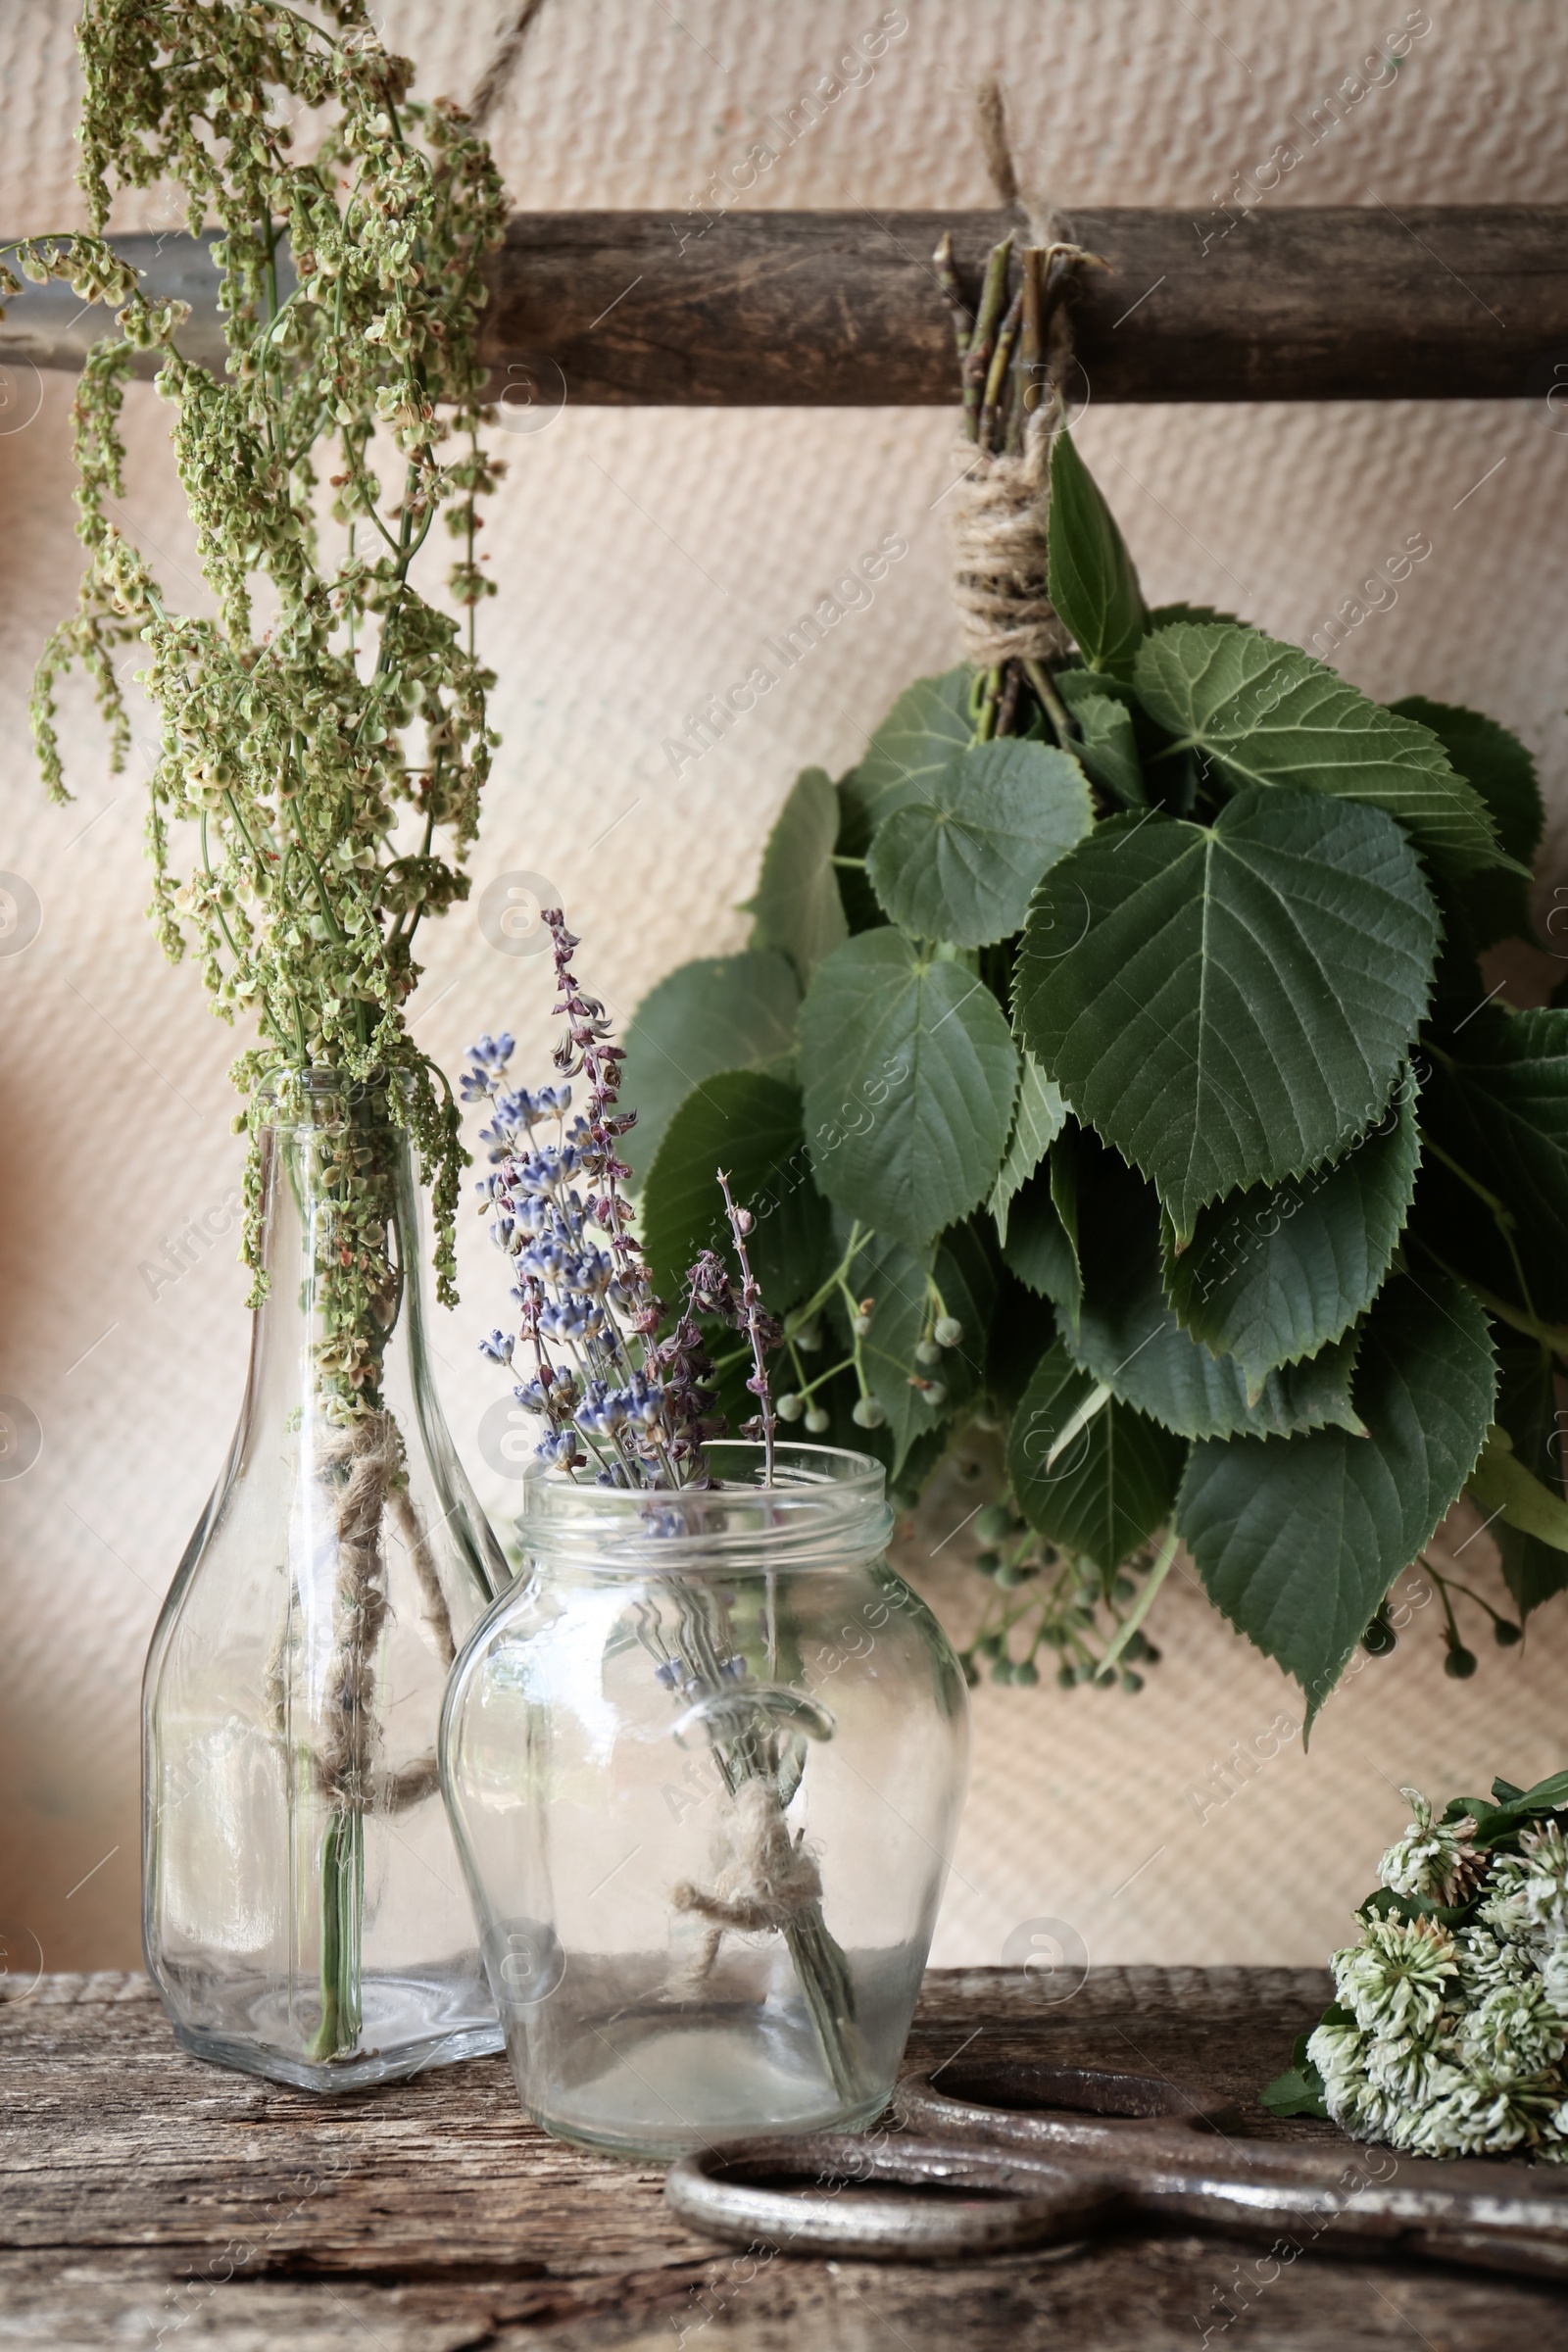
(147, 2199)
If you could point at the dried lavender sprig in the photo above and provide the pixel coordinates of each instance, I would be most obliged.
(764, 1330)
(641, 1404)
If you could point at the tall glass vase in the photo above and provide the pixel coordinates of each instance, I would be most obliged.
(304, 1913)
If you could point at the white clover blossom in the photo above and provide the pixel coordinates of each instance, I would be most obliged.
(1487, 1960)
(1396, 1977)
(1513, 2034)
(1411, 2072)
(1532, 1886)
(1339, 2053)
(1434, 1858)
(1481, 2119)
(1457, 2038)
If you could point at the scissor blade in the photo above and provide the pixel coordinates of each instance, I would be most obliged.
(1504, 2216)
(1496, 2214)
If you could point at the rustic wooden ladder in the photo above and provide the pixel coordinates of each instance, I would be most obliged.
(842, 309)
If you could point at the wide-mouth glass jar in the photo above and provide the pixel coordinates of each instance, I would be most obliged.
(704, 1762)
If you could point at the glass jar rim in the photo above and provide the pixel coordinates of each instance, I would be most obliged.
(826, 1508)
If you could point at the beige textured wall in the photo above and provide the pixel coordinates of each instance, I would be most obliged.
(642, 557)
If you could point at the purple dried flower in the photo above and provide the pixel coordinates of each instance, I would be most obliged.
(609, 1376)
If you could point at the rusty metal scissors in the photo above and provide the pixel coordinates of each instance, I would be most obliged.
(1007, 2155)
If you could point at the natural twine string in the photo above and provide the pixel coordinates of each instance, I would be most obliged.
(999, 510)
(1000, 506)
(371, 1449)
(764, 1880)
(511, 32)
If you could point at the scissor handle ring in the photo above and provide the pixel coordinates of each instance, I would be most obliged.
(1021, 2103)
(1014, 2201)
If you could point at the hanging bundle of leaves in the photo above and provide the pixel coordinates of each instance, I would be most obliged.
(324, 738)
(1110, 1064)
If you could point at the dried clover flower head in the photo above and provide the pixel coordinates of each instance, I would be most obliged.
(1528, 1891)
(1410, 2072)
(1434, 1858)
(1359, 2106)
(1476, 2119)
(1487, 1960)
(1397, 1977)
(1513, 2034)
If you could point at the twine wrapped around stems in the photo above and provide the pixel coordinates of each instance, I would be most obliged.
(1014, 360)
(370, 1449)
(765, 1878)
(999, 508)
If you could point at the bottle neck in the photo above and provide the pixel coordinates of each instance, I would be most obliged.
(339, 1245)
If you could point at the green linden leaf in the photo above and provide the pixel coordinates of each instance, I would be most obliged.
(1229, 1005)
(1162, 614)
(1267, 713)
(1502, 770)
(723, 1013)
(1035, 1124)
(1107, 747)
(1039, 1247)
(855, 895)
(1064, 1201)
(1493, 761)
(1298, 1540)
(961, 865)
(1129, 1338)
(1496, 1103)
(1534, 1568)
(1502, 1486)
(1274, 1274)
(908, 752)
(1090, 573)
(749, 1124)
(909, 1076)
(893, 1278)
(797, 908)
(1110, 1489)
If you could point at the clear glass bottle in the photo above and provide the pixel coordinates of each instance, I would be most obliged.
(304, 1915)
(704, 1762)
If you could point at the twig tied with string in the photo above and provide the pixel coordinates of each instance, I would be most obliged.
(1014, 350)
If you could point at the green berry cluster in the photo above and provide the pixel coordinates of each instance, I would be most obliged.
(1459, 1660)
(1048, 1599)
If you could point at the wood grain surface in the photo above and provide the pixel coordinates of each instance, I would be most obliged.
(148, 2199)
(841, 309)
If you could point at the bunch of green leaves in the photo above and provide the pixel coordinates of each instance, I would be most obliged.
(1111, 1064)
(325, 736)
